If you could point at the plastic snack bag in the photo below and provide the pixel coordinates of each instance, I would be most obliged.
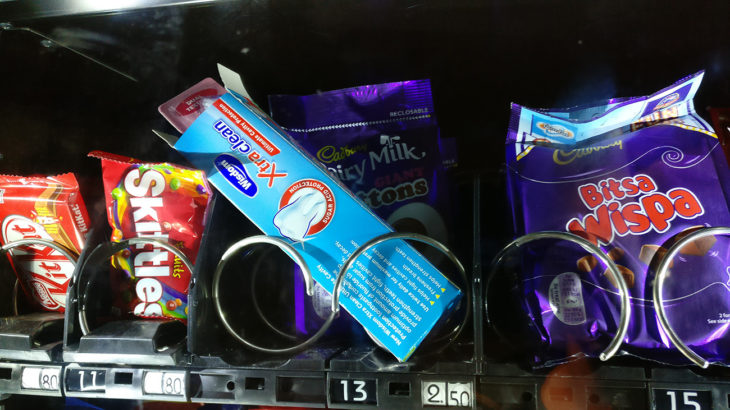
(632, 176)
(162, 201)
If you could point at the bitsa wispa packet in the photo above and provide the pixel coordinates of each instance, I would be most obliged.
(162, 201)
(632, 176)
(383, 142)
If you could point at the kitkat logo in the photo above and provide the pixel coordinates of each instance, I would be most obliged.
(614, 211)
(45, 271)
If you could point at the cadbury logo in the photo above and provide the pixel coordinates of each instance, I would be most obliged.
(329, 153)
(561, 157)
(667, 101)
(555, 130)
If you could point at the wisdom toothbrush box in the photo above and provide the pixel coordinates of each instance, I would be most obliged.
(393, 291)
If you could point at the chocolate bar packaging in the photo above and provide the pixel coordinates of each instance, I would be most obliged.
(383, 142)
(632, 176)
(48, 208)
(161, 201)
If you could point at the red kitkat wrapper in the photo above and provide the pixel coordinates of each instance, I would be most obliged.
(157, 200)
(49, 208)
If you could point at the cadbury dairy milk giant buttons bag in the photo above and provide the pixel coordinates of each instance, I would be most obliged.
(632, 176)
(383, 142)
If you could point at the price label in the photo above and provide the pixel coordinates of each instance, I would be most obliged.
(85, 380)
(40, 378)
(353, 391)
(682, 399)
(167, 383)
(446, 394)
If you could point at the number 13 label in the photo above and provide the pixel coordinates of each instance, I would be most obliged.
(353, 391)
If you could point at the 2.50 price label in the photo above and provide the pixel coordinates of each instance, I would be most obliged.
(446, 394)
(40, 378)
(353, 391)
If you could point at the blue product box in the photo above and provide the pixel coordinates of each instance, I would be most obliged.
(393, 291)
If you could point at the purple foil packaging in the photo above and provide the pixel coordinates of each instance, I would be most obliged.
(632, 176)
(383, 142)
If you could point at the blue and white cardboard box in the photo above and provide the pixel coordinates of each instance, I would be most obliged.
(393, 291)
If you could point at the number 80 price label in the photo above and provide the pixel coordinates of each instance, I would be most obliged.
(40, 378)
(165, 383)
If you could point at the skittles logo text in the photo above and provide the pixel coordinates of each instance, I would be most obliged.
(613, 215)
(150, 262)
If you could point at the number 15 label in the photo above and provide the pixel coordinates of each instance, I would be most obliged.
(682, 399)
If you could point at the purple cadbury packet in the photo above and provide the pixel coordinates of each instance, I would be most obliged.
(632, 176)
(383, 142)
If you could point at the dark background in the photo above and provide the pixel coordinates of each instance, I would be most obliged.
(480, 56)
(96, 78)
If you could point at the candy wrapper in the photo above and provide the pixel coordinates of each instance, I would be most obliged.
(632, 176)
(43, 208)
(162, 201)
(383, 142)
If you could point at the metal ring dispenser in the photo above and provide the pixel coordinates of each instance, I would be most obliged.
(67, 253)
(661, 274)
(105, 251)
(335, 304)
(623, 326)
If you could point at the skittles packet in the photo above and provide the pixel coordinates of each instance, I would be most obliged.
(632, 176)
(48, 208)
(162, 201)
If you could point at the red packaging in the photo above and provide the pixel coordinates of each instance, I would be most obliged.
(161, 201)
(49, 208)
